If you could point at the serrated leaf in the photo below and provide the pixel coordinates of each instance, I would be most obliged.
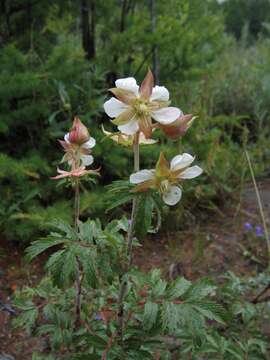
(199, 290)
(89, 268)
(211, 311)
(159, 288)
(178, 288)
(64, 228)
(88, 231)
(143, 216)
(37, 247)
(150, 315)
(169, 316)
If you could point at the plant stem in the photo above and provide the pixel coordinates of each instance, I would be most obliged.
(123, 279)
(136, 150)
(77, 204)
(78, 276)
(259, 204)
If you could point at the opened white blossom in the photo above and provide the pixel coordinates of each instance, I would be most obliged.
(133, 108)
(77, 145)
(166, 178)
(127, 140)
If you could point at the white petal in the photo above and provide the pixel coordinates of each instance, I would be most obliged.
(89, 144)
(166, 115)
(128, 84)
(66, 138)
(141, 176)
(114, 107)
(87, 160)
(191, 172)
(143, 140)
(181, 161)
(172, 196)
(160, 93)
(130, 128)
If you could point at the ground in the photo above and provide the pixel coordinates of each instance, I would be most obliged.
(231, 240)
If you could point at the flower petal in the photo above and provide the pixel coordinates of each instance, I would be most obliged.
(141, 176)
(114, 107)
(181, 161)
(125, 117)
(89, 144)
(130, 128)
(128, 84)
(172, 196)
(144, 141)
(125, 96)
(160, 93)
(166, 115)
(87, 160)
(66, 138)
(147, 85)
(191, 172)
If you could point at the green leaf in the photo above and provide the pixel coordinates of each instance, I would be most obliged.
(170, 317)
(178, 288)
(88, 231)
(64, 228)
(70, 267)
(199, 290)
(27, 319)
(211, 310)
(150, 315)
(88, 260)
(143, 216)
(37, 247)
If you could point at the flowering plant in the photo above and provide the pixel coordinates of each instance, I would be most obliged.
(95, 304)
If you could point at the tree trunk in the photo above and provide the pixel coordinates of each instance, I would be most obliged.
(88, 28)
(154, 50)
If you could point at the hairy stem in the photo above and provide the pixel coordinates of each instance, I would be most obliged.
(78, 276)
(136, 150)
(123, 286)
(77, 204)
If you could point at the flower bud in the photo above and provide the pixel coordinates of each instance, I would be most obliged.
(179, 127)
(78, 133)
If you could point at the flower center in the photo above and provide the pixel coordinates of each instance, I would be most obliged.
(141, 107)
(164, 185)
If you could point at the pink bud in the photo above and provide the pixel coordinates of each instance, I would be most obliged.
(179, 127)
(79, 133)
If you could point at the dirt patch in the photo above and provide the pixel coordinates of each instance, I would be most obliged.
(233, 239)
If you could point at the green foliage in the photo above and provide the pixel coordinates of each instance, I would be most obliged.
(179, 318)
(46, 78)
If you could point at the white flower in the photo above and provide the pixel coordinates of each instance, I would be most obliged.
(135, 107)
(166, 177)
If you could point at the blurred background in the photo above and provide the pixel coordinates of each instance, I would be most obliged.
(57, 60)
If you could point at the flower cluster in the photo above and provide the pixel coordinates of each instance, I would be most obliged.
(137, 112)
(77, 145)
(257, 230)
